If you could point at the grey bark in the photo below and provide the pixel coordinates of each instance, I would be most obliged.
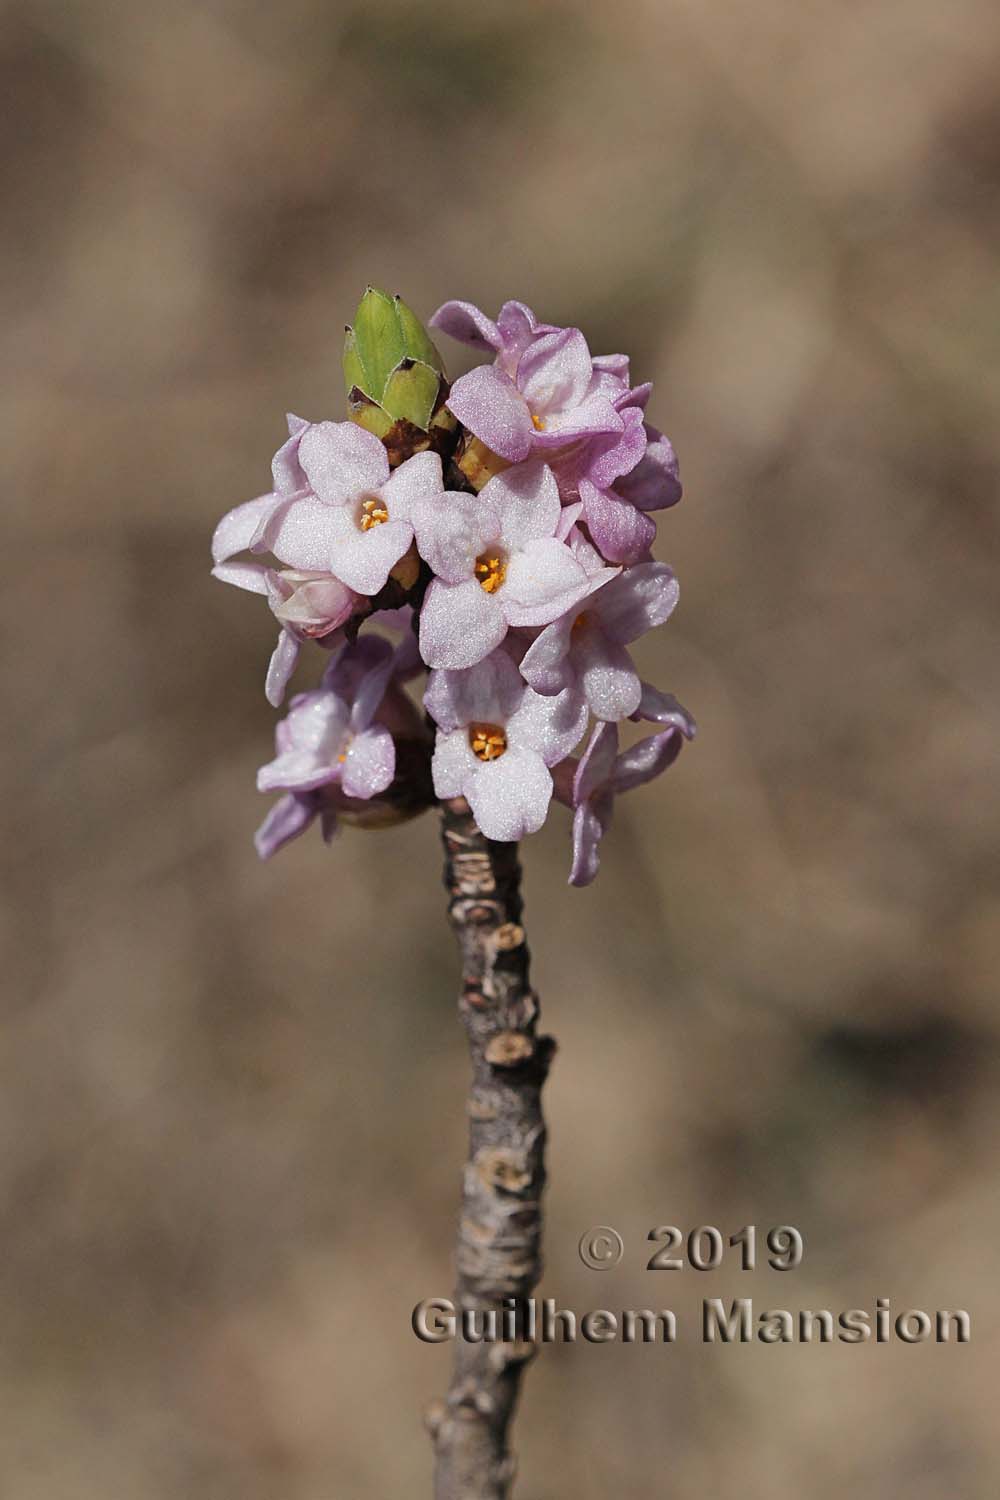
(500, 1228)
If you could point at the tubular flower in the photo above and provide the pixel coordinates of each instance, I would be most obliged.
(554, 396)
(585, 648)
(496, 740)
(590, 785)
(498, 563)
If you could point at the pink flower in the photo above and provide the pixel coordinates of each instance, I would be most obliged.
(333, 749)
(552, 397)
(335, 508)
(590, 785)
(585, 648)
(496, 740)
(498, 563)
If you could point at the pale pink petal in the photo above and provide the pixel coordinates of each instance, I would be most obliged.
(488, 403)
(543, 580)
(647, 759)
(597, 763)
(544, 666)
(452, 529)
(286, 471)
(554, 372)
(453, 764)
(526, 501)
(590, 823)
(663, 708)
(609, 681)
(294, 771)
(307, 533)
(244, 575)
(510, 797)
(488, 692)
(460, 624)
(464, 322)
(237, 528)
(615, 454)
(654, 484)
(342, 460)
(639, 599)
(416, 480)
(370, 764)
(287, 819)
(623, 534)
(364, 559)
(372, 687)
(280, 668)
(594, 415)
(550, 726)
(613, 364)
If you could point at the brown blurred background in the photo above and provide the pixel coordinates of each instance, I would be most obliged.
(231, 1103)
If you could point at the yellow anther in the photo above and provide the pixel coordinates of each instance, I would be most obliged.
(487, 741)
(373, 512)
(579, 622)
(490, 572)
(537, 422)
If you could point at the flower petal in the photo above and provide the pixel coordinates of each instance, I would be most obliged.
(608, 679)
(489, 404)
(544, 665)
(622, 533)
(464, 322)
(453, 764)
(594, 415)
(663, 708)
(342, 460)
(418, 479)
(280, 668)
(451, 530)
(251, 576)
(370, 764)
(591, 822)
(510, 797)
(614, 454)
(237, 528)
(526, 502)
(597, 763)
(554, 372)
(306, 531)
(638, 600)
(550, 726)
(543, 580)
(460, 624)
(490, 692)
(641, 762)
(286, 471)
(287, 819)
(655, 482)
(364, 559)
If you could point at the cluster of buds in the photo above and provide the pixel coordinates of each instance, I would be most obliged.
(494, 534)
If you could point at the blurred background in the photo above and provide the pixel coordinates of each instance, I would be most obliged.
(231, 1108)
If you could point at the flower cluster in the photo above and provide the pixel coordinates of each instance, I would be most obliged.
(503, 526)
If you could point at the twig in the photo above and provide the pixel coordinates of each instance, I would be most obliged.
(500, 1230)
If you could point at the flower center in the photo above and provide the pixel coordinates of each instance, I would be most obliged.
(490, 571)
(487, 741)
(537, 422)
(372, 512)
